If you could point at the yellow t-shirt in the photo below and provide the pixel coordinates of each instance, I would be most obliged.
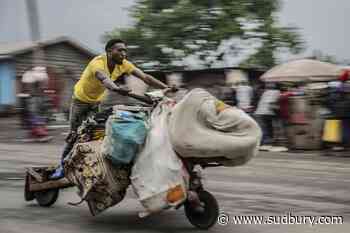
(89, 89)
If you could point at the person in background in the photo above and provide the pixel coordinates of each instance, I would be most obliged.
(284, 111)
(101, 73)
(338, 102)
(33, 112)
(345, 89)
(266, 112)
(244, 96)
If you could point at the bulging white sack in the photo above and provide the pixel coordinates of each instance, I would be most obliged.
(157, 169)
(200, 128)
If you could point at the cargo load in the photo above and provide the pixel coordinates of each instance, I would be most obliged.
(100, 183)
(201, 126)
(158, 176)
(125, 135)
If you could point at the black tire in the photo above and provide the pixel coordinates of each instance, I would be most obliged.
(28, 195)
(206, 218)
(46, 198)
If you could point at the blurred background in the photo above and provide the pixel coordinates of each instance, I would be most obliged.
(215, 44)
(321, 23)
(284, 63)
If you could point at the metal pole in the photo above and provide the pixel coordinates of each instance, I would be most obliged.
(33, 18)
(34, 28)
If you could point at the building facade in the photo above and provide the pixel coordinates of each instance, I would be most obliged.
(63, 57)
(220, 82)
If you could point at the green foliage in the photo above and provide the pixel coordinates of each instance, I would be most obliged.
(166, 31)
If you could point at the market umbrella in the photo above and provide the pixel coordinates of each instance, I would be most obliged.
(303, 70)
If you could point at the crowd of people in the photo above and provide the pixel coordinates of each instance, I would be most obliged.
(271, 107)
(268, 103)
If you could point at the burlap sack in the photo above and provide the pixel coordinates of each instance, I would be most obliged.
(100, 183)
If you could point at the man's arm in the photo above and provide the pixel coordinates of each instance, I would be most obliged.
(109, 84)
(148, 79)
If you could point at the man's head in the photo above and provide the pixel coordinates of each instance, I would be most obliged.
(116, 50)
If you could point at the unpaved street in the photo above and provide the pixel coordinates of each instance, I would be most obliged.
(272, 184)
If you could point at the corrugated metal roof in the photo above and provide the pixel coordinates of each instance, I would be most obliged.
(25, 46)
(9, 48)
(205, 70)
(2, 57)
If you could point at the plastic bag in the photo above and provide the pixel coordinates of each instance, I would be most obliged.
(158, 176)
(125, 134)
(332, 131)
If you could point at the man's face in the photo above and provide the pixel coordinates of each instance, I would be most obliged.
(118, 53)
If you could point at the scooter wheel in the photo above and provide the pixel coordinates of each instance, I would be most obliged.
(46, 198)
(28, 195)
(205, 215)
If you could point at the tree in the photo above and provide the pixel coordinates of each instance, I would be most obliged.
(176, 33)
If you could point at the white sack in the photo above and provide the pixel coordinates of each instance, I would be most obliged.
(157, 168)
(198, 130)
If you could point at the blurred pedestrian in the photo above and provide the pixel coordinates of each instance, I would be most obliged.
(266, 112)
(344, 78)
(31, 101)
(337, 126)
(284, 110)
(244, 96)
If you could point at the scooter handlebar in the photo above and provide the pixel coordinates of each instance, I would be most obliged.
(142, 98)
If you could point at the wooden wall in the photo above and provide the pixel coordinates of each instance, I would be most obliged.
(61, 57)
(66, 61)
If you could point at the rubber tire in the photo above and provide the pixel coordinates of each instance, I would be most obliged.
(46, 198)
(210, 215)
(28, 195)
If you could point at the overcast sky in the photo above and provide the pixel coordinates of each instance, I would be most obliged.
(321, 22)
